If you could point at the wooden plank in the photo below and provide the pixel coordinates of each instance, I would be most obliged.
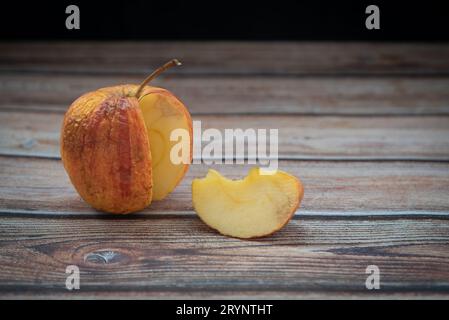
(218, 295)
(227, 57)
(168, 255)
(300, 137)
(41, 187)
(244, 94)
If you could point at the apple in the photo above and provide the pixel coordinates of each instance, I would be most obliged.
(115, 144)
(255, 206)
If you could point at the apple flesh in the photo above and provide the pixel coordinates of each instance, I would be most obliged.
(163, 113)
(255, 206)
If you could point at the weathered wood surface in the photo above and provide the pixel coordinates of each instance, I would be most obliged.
(145, 254)
(41, 187)
(300, 137)
(378, 114)
(227, 57)
(244, 94)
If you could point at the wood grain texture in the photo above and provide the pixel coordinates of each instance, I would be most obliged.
(227, 57)
(41, 187)
(147, 255)
(358, 106)
(300, 137)
(244, 94)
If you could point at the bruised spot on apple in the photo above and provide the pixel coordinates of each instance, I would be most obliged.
(255, 206)
(115, 145)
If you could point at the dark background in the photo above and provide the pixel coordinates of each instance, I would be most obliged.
(226, 20)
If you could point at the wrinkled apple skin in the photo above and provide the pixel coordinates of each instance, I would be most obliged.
(130, 89)
(106, 152)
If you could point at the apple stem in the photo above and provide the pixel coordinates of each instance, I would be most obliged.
(158, 71)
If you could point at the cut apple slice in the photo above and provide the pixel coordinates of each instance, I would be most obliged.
(256, 206)
(164, 113)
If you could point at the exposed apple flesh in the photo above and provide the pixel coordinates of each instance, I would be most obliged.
(164, 113)
(255, 206)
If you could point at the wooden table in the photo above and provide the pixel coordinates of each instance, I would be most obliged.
(364, 125)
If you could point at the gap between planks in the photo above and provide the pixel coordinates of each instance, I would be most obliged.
(299, 214)
(282, 157)
(50, 294)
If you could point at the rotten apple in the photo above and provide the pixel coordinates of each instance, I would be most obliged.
(116, 144)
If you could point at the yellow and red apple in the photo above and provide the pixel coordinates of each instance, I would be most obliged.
(115, 145)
